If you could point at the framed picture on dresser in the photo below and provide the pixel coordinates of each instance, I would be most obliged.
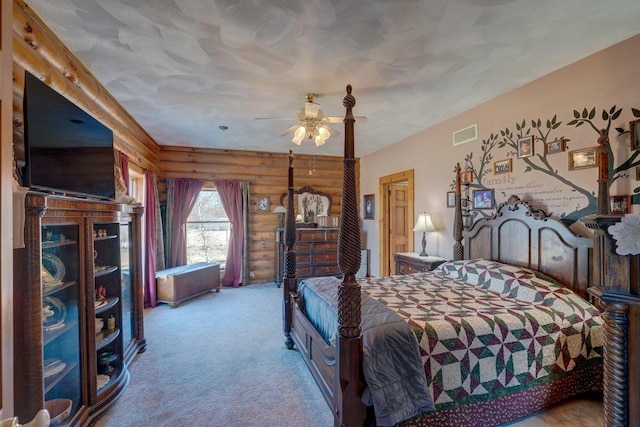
(619, 204)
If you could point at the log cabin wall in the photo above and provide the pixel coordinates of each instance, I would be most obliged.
(37, 50)
(267, 177)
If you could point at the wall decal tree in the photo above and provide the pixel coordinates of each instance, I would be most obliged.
(615, 172)
(542, 133)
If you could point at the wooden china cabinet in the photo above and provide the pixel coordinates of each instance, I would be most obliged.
(78, 304)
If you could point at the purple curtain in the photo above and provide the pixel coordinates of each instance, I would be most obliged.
(231, 197)
(185, 194)
(150, 244)
(123, 163)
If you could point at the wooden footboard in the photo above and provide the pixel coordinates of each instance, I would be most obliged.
(319, 356)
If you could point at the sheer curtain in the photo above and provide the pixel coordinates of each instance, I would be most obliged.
(153, 248)
(231, 196)
(181, 197)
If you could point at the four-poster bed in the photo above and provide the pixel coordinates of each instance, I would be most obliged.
(536, 341)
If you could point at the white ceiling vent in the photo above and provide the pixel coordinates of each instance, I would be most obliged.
(465, 135)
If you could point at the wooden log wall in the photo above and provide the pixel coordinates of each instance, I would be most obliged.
(267, 177)
(37, 50)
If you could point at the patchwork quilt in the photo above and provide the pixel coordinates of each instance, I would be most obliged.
(487, 329)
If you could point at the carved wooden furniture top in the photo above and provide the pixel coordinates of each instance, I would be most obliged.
(309, 203)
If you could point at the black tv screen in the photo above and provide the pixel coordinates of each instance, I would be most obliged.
(66, 150)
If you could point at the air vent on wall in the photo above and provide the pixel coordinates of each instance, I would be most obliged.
(465, 135)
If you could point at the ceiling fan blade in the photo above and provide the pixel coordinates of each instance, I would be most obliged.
(332, 132)
(288, 130)
(338, 119)
(276, 118)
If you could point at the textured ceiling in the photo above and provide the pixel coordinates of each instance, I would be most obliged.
(182, 68)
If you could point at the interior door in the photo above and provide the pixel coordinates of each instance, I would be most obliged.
(396, 235)
(398, 219)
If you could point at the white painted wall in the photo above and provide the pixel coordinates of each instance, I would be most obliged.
(607, 78)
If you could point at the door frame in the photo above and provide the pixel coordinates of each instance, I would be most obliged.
(385, 213)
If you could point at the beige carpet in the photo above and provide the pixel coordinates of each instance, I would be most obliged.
(220, 360)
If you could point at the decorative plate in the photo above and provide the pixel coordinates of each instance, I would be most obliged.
(53, 313)
(52, 270)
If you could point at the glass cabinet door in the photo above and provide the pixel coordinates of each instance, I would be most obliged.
(107, 301)
(126, 280)
(61, 314)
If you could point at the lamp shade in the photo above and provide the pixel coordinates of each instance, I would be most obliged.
(279, 209)
(424, 223)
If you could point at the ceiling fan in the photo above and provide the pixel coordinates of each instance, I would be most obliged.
(312, 123)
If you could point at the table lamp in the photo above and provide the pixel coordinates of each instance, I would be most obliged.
(280, 210)
(424, 224)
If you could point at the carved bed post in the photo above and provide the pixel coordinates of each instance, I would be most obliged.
(603, 174)
(290, 280)
(610, 288)
(350, 410)
(457, 219)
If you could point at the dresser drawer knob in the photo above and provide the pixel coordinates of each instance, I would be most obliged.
(326, 257)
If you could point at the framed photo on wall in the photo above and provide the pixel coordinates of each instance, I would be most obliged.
(619, 204)
(525, 147)
(502, 166)
(482, 199)
(451, 199)
(555, 146)
(369, 206)
(634, 129)
(263, 203)
(584, 158)
(466, 176)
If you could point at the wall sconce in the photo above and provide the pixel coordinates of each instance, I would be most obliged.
(280, 210)
(424, 224)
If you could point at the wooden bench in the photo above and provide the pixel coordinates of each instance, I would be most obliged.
(177, 284)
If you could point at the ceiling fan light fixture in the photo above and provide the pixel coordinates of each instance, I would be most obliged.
(322, 136)
(311, 109)
(299, 135)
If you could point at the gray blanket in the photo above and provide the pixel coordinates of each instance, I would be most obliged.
(392, 365)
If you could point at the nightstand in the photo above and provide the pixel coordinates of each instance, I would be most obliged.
(411, 262)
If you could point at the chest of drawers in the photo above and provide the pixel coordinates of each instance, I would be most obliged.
(316, 253)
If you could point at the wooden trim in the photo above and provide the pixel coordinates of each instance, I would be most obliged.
(39, 51)
(385, 255)
(6, 211)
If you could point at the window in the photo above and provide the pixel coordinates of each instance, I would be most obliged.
(208, 229)
(136, 183)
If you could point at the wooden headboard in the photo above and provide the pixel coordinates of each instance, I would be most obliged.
(520, 235)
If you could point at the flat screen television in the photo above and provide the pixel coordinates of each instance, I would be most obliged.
(66, 150)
